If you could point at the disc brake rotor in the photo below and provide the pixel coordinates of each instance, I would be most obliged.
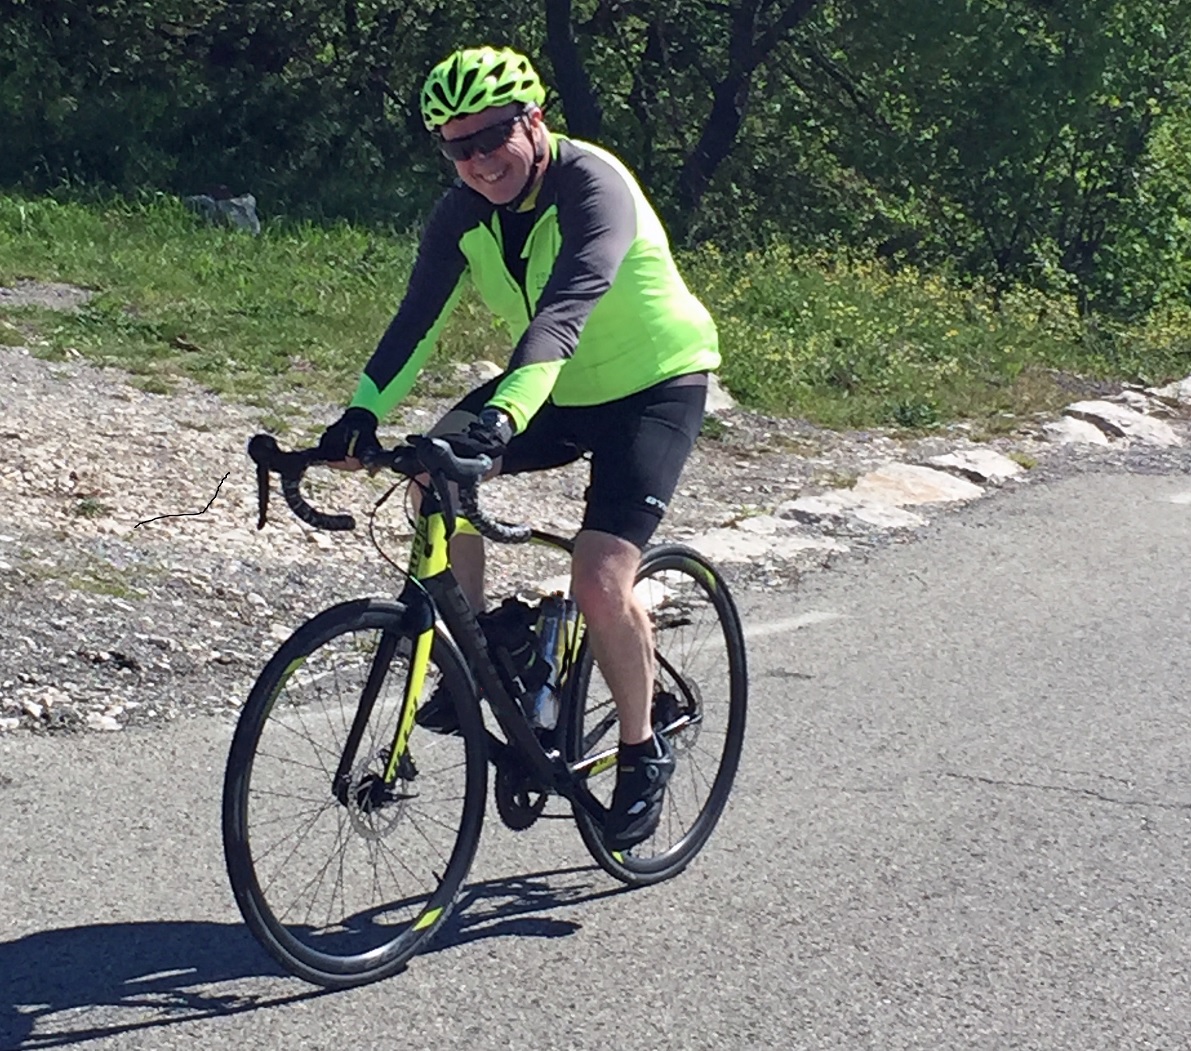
(374, 808)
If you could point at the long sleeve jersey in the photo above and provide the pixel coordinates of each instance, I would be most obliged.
(598, 309)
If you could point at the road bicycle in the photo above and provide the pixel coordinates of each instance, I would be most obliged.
(349, 828)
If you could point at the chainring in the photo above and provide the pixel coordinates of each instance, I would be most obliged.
(519, 799)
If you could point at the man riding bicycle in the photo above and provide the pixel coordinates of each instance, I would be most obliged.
(611, 359)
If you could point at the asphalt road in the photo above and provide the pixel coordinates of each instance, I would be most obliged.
(963, 821)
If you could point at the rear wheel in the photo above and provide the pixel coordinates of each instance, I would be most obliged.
(699, 702)
(344, 869)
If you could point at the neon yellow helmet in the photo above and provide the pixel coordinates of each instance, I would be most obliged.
(476, 79)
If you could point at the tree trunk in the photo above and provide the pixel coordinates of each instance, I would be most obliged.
(579, 102)
(748, 47)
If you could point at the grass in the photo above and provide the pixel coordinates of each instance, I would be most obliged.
(290, 317)
(851, 344)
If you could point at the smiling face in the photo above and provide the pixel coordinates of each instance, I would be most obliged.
(501, 174)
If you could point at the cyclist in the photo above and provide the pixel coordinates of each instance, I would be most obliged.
(611, 359)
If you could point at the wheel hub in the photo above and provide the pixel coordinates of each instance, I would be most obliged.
(374, 808)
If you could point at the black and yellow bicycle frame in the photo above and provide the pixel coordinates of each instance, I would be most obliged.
(432, 591)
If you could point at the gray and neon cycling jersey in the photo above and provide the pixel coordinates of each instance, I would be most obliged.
(601, 311)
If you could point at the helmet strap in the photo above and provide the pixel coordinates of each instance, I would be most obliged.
(539, 155)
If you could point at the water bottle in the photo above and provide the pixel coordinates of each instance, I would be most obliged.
(555, 616)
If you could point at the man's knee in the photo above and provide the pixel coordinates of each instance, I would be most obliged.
(603, 572)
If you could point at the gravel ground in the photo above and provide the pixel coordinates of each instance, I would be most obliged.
(113, 616)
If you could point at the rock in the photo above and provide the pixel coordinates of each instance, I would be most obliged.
(844, 504)
(888, 517)
(1143, 402)
(238, 213)
(902, 484)
(718, 399)
(52, 697)
(1119, 421)
(320, 540)
(731, 544)
(1070, 431)
(977, 465)
(1178, 392)
(476, 372)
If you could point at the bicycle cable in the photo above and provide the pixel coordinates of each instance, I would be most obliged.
(372, 536)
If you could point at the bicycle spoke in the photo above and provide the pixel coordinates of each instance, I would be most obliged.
(343, 862)
(699, 691)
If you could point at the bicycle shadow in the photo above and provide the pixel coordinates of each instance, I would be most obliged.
(511, 906)
(160, 967)
(167, 967)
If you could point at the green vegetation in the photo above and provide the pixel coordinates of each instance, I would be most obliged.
(295, 310)
(851, 343)
(900, 213)
(291, 315)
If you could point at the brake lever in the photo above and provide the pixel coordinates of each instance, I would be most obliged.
(262, 448)
(262, 495)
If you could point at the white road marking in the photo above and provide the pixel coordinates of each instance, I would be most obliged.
(803, 620)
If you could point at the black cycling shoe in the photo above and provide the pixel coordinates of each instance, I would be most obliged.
(438, 713)
(637, 801)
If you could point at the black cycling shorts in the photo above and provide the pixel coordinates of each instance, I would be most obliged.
(638, 445)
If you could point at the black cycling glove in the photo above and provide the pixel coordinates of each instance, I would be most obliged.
(353, 434)
(488, 436)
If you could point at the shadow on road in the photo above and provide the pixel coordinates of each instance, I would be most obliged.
(86, 983)
(151, 968)
(512, 907)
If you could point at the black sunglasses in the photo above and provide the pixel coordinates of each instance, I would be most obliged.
(486, 140)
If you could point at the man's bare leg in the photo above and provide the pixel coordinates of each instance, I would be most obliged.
(603, 572)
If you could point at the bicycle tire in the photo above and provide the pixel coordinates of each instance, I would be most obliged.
(350, 919)
(690, 609)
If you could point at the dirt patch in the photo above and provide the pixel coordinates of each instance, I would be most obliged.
(50, 295)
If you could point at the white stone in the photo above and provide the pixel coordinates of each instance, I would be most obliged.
(96, 721)
(551, 585)
(51, 696)
(1070, 431)
(765, 525)
(718, 399)
(978, 465)
(888, 517)
(835, 504)
(478, 371)
(1119, 421)
(9, 722)
(320, 540)
(1179, 391)
(651, 592)
(1142, 402)
(902, 484)
(727, 544)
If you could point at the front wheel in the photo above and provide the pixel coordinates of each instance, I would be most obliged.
(344, 856)
(700, 697)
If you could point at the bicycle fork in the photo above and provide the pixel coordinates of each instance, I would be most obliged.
(417, 623)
